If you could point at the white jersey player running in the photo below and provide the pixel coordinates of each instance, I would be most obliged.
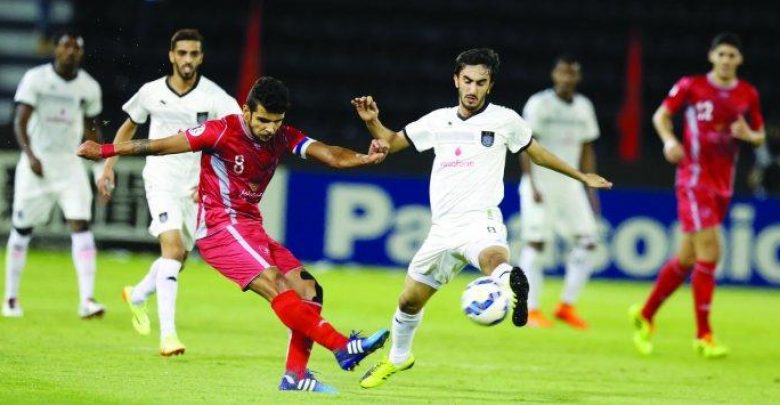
(185, 99)
(57, 104)
(565, 123)
(470, 142)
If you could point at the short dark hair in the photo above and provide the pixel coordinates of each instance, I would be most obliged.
(478, 56)
(566, 58)
(726, 38)
(185, 34)
(271, 93)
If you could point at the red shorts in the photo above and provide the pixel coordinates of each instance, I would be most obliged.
(241, 252)
(700, 208)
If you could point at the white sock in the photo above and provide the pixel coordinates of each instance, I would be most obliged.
(402, 334)
(15, 258)
(578, 269)
(84, 258)
(167, 287)
(535, 275)
(501, 274)
(147, 286)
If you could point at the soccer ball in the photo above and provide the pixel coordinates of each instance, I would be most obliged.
(484, 302)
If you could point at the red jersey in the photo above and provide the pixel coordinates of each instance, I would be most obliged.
(235, 169)
(710, 148)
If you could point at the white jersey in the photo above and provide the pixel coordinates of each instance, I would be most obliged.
(171, 113)
(468, 171)
(56, 126)
(561, 128)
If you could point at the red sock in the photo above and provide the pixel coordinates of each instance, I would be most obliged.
(670, 277)
(299, 348)
(299, 317)
(703, 283)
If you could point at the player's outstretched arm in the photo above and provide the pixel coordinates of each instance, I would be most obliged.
(543, 157)
(343, 158)
(140, 147)
(368, 111)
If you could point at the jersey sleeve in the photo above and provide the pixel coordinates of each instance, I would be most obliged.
(532, 113)
(591, 131)
(519, 135)
(27, 92)
(678, 95)
(206, 135)
(225, 105)
(297, 142)
(755, 118)
(420, 133)
(135, 108)
(94, 103)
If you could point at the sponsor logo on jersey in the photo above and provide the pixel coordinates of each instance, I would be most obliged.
(163, 217)
(202, 117)
(487, 138)
(197, 131)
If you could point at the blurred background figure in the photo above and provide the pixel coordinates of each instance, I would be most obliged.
(563, 121)
(764, 179)
(58, 105)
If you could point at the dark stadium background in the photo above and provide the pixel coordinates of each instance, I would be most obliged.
(402, 53)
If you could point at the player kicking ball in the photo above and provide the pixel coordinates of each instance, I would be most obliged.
(240, 155)
(716, 105)
(470, 142)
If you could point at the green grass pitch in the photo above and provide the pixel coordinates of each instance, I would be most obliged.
(236, 346)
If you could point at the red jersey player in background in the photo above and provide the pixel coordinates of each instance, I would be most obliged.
(240, 155)
(720, 110)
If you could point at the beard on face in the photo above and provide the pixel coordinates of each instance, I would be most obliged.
(186, 76)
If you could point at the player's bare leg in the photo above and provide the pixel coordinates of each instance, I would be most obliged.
(494, 262)
(579, 266)
(529, 263)
(406, 320)
(15, 259)
(291, 310)
(85, 260)
(706, 245)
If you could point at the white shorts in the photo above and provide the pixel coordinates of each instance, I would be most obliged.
(449, 247)
(564, 210)
(64, 183)
(173, 212)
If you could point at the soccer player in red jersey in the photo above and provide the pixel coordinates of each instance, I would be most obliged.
(240, 155)
(720, 111)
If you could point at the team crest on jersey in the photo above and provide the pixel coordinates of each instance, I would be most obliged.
(197, 130)
(163, 217)
(202, 117)
(487, 138)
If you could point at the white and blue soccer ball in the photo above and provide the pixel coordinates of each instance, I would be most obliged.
(484, 302)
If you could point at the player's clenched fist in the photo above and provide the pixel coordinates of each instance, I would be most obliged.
(366, 108)
(379, 146)
(89, 150)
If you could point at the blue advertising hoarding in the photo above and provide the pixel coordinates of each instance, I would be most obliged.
(383, 220)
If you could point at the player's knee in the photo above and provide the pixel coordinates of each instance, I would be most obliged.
(538, 246)
(318, 294)
(585, 242)
(79, 226)
(24, 231)
(409, 304)
(174, 252)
